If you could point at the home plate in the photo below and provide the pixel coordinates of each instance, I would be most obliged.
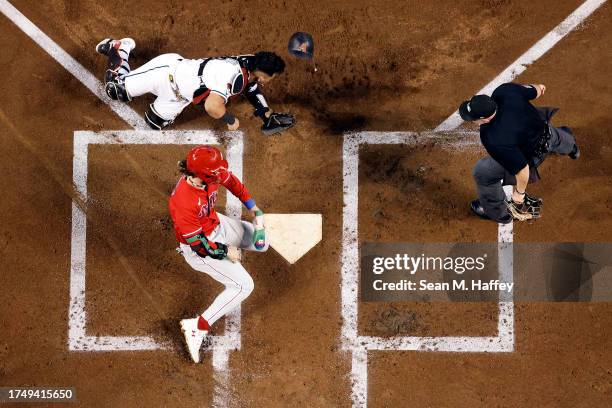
(292, 235)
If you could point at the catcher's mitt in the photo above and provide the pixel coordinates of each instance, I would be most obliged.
(525, 211)
(277, 122)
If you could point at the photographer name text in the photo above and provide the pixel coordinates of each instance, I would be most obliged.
(425, 285)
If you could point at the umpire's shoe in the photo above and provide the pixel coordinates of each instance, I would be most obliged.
(575, 153)
(479, 211)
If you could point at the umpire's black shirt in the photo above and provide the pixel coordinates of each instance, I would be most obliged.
(513, 134)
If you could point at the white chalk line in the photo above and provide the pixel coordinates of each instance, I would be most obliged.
(359, 376)
(530, 56)
(360, 345)
(70, 64)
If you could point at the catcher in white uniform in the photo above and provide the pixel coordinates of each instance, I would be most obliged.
(178, 82)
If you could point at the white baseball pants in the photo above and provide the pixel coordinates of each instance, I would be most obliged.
(154, 77)
(238, 283)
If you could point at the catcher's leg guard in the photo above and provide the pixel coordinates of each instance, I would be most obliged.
(118, 53)
(118, 56)
(115, 89)
(154, 120)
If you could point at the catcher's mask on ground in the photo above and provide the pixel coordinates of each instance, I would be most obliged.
(207, 163)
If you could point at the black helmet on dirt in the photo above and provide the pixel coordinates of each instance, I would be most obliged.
(301, 45)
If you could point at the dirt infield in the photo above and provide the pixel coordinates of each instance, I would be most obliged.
(383, 66)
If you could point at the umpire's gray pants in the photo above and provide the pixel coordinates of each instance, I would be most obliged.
(490, 176)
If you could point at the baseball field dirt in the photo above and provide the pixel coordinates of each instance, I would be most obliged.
(382, 66)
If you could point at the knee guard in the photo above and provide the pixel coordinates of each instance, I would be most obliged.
(117, 91)
(154, 120)
(114, 87)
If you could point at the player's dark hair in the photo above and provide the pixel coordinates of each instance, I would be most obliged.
(182, 168)
(268, 62)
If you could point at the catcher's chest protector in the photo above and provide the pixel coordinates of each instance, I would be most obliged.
(236, 85)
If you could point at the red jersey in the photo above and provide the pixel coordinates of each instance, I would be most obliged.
(193, 209)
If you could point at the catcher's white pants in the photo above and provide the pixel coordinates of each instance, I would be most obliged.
(238, 283)
(154, 77)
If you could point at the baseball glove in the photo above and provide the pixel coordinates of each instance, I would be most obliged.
(524, 211)
(277, 122)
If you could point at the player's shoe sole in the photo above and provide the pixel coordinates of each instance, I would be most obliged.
(128, 43)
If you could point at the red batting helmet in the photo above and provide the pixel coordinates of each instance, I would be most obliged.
(207, 163)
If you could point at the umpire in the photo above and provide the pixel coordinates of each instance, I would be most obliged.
(518, 137)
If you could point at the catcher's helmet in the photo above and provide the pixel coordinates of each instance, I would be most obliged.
(207, 163)
(301, 45)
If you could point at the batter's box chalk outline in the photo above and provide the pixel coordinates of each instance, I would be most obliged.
(78, 339)
(358, 345)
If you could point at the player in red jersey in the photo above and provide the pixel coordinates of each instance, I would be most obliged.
(209, 241)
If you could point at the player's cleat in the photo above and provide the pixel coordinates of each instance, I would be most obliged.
(479, 211)
(193, 337)
(106, 44)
